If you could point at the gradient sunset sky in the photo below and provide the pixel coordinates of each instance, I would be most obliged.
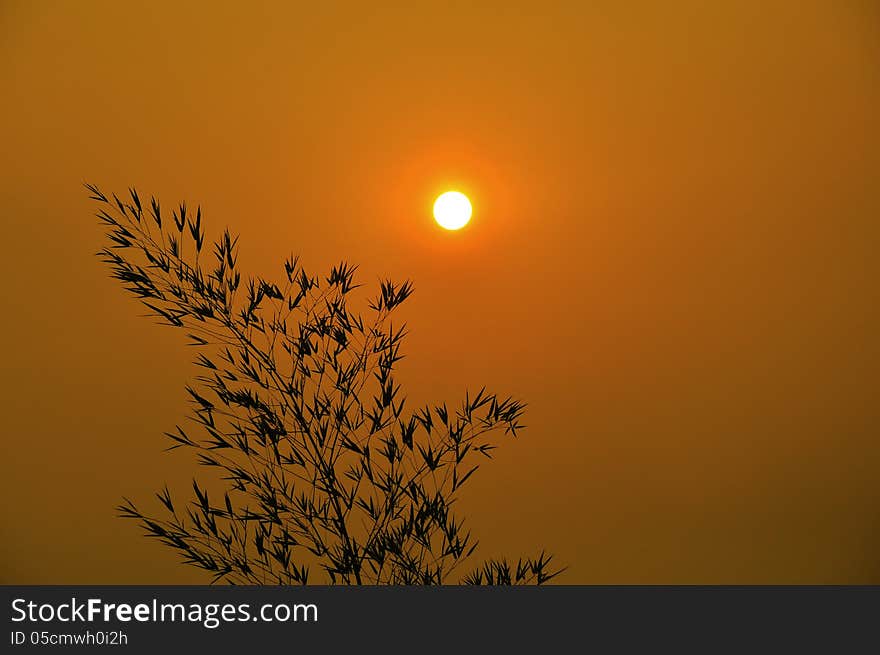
(673, 259)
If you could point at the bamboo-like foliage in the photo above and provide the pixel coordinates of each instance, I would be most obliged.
(298, 409)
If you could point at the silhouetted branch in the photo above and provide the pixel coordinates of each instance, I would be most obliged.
(298, 409)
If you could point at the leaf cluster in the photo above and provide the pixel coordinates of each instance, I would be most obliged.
(297, 408)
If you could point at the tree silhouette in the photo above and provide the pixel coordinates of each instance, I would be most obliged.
(298, 409)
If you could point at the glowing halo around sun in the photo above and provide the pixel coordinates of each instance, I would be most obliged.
(452, 210)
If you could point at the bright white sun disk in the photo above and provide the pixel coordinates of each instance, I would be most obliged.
(452, 210)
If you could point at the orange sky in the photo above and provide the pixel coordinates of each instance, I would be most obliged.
(672, 260)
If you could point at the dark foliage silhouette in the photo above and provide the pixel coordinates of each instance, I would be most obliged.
(297, 408)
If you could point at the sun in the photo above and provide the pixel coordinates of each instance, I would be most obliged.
(452, 210)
